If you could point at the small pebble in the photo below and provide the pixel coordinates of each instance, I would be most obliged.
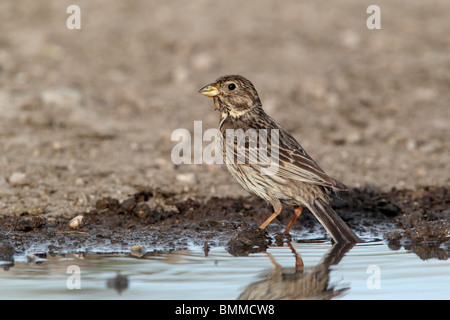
(76, 222)
(186, 177)
(79, 182)
(17, 178)
(61, 97)
(137, 250)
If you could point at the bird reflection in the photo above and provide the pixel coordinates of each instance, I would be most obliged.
(298, 283)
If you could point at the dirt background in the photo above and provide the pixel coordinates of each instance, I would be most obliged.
(88, 114)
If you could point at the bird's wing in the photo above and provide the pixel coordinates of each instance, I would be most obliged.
(275, 153)
(295, 164)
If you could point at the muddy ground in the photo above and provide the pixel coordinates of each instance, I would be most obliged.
(86, 117)
(161, 221)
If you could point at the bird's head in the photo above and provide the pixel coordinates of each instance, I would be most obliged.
(233, 95)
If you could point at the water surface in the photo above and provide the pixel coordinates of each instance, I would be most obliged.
(293, 271)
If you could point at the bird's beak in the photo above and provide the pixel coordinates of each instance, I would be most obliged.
(209, 91)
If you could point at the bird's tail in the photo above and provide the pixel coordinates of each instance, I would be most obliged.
(335, 226)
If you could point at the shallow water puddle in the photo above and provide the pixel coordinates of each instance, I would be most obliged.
(293, 271)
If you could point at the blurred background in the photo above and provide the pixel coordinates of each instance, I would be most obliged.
(89, 113)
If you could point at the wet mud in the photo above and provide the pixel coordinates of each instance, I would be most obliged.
(154, 220)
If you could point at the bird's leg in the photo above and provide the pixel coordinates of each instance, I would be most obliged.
(273, 216)
(298, 260)
(297, 213)
(277, 266)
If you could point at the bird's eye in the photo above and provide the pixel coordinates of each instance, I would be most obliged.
(231, 86)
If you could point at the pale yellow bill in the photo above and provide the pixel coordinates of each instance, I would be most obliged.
(209, 91)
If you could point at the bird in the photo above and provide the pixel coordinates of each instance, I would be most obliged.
(295, 179)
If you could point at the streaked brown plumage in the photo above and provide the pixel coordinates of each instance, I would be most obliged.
(298, 180)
